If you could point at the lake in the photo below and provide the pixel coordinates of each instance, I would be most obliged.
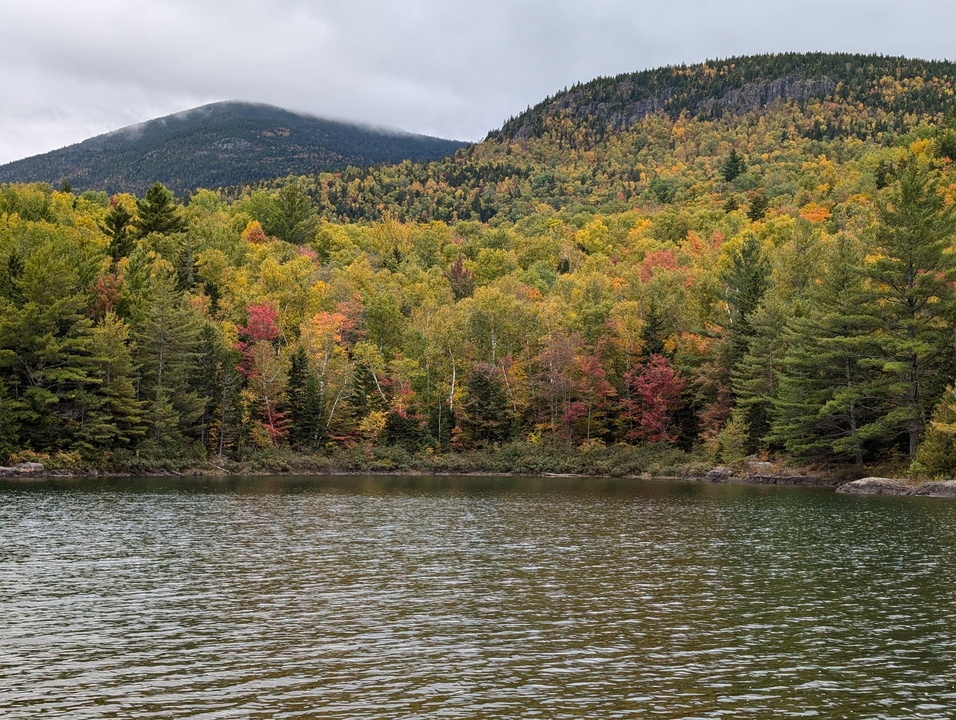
(420, 597)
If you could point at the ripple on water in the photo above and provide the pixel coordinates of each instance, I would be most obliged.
(376, 600)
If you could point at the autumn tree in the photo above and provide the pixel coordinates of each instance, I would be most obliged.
(265, 370)
(655, 397)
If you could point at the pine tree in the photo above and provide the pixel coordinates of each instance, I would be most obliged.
(115, 416)
(167, 335)
(823, 401)
(45, 344)
(291, 216)
(913, 272)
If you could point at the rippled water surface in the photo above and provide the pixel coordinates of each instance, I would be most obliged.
(472, 598)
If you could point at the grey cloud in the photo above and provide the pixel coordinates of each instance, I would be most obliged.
(451, 68)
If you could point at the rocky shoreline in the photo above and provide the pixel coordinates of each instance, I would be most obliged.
(892, 486)
(756, 473)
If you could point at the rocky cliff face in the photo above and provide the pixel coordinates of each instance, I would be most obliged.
(618, 115)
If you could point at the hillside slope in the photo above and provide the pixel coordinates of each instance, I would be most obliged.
(228, 143)
(617, 143)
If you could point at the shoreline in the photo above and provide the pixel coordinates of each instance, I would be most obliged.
(757, 474)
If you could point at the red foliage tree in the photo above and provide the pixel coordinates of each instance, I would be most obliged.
(655, 396)
(265, 375)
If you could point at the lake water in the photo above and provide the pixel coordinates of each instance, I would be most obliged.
(472, 598)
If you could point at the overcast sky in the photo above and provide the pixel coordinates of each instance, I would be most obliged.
(452, 68)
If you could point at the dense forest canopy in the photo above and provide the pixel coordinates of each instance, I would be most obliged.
(774, 279)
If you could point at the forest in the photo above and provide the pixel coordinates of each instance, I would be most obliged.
(774, 281)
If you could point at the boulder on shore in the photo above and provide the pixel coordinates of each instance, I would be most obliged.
(27, 468)
(939, 488)
(875, 486)
(719, 475)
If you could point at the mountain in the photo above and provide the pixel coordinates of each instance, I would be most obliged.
(222, 144)
(739, 85)
(620, 142)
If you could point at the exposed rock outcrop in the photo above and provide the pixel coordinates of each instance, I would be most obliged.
(719, 475)
(22, 469)
(940, 488)
(875, 486)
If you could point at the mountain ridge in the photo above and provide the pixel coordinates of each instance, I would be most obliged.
(735, 85)
(221, 144)
(619, 142)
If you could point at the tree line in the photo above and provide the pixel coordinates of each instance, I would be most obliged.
(742, 298)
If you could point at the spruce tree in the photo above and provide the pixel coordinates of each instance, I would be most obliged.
(117, 226)
(733, 166)
(483, 412)
(305, 403)
(157, 213)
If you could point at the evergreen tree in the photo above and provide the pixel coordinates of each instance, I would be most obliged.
(755, 379)
(759, 204)
(117, 226)
(114, 415)
(219, 383)
(733, 166)
(291, 216)
(167, 333)
(45, 344)
(305, 403)
(157, 213)
(913, 272)
(937, 451)
(744, 284)
(823, 402)
(9, 424)
(483, 417)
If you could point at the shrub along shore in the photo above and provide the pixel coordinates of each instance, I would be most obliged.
(650, 461)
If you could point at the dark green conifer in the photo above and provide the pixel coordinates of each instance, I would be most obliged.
(733, 166)
(157, 213)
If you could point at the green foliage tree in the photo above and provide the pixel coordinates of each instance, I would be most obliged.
(744, 284)
(167, 332)
(305, 403)
(115, 417)
(759, 204)
(291, 216)
(824, 403)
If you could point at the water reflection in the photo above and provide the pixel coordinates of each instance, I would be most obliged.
(397, 597)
